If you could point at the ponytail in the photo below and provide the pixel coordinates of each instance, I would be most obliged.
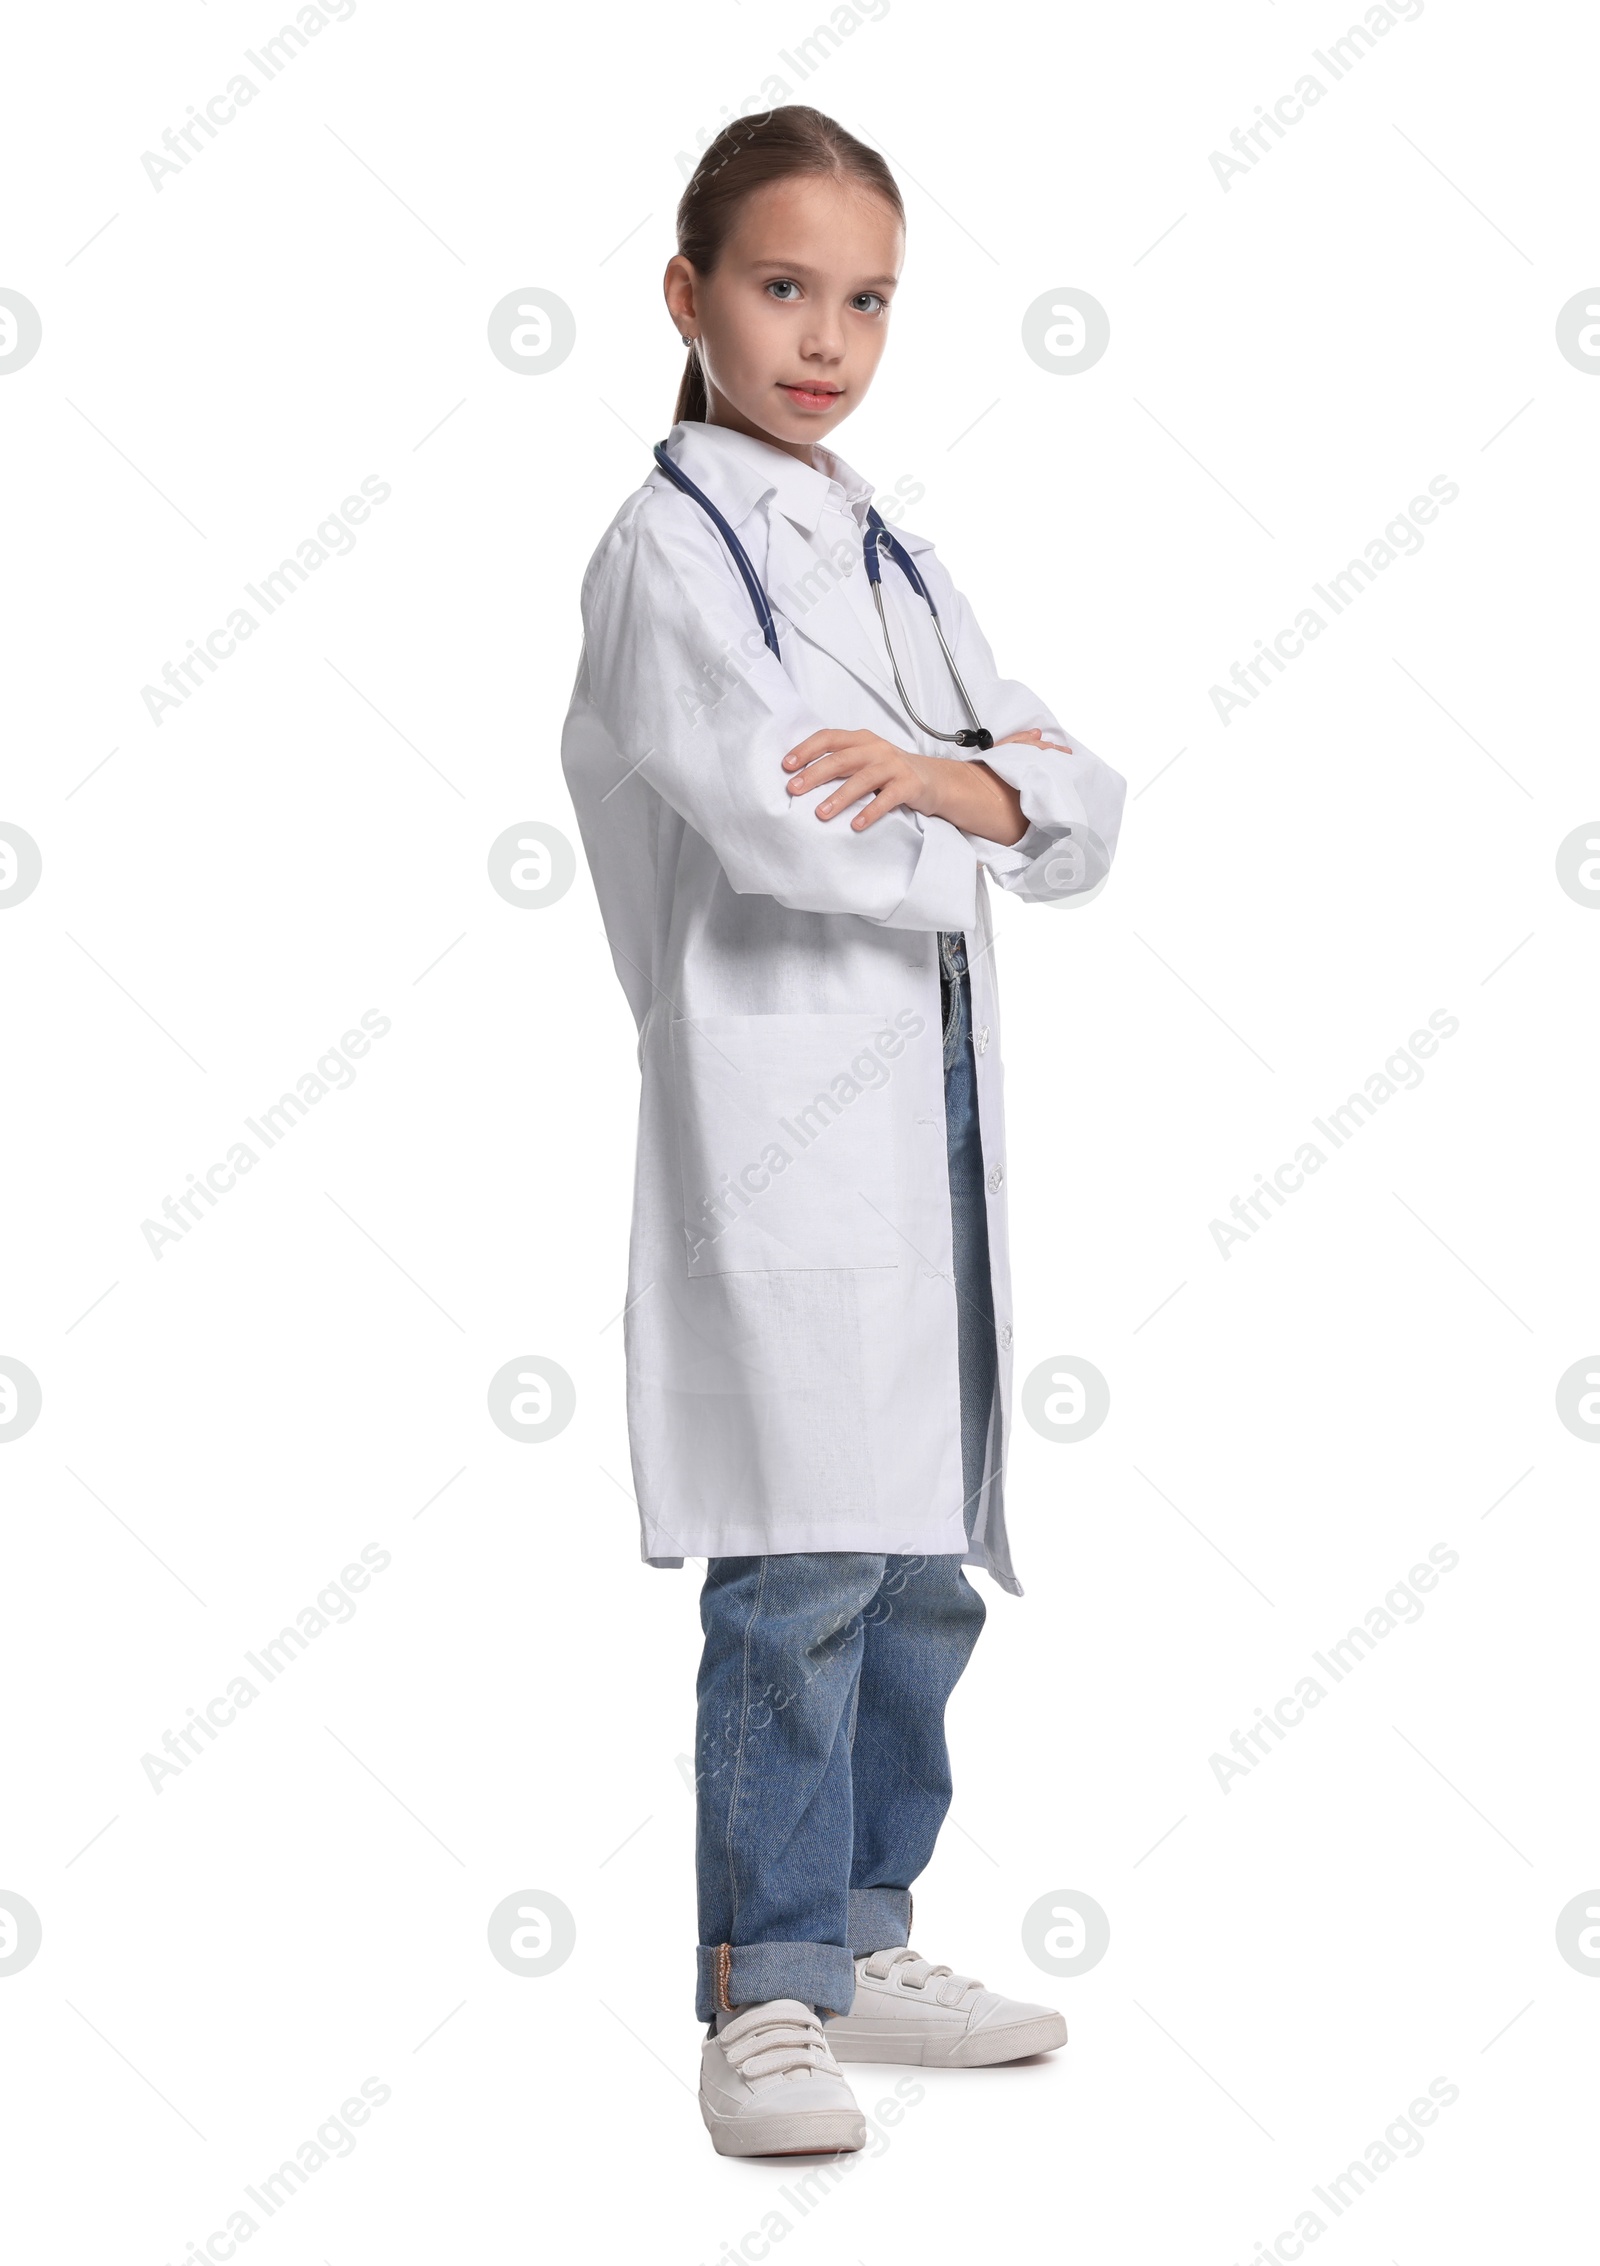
(692, 399)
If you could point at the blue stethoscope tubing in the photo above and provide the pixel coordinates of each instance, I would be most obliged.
(876, 540)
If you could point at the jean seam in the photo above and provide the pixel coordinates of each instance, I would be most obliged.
(738, 1759)
(855, 1688)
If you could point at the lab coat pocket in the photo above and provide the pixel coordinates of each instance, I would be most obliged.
(798, 1138)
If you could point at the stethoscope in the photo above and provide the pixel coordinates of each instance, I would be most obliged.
(876, 540)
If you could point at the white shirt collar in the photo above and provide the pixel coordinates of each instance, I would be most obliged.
(737, 471)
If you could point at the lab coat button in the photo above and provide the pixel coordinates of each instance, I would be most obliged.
(983, 1039)
(995, 1178)
(1005, 1335)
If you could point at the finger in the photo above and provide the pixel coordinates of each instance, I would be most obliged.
(817, 744)
(839, 764)
(846, 797)
(889, 797)
(1034, 734)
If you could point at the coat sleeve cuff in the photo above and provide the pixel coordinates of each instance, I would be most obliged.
(944, 887)
(1060, 855)
(1049, 800)
(1008, 861)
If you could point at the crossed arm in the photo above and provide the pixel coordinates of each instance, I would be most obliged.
(968, 794)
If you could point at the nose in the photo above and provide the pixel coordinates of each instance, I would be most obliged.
(823, 340)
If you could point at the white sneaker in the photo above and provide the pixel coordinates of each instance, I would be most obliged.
(908, 2010)
(769, 2086)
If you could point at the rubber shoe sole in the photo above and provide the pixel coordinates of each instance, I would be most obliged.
(793, 2132)
(851, 2040)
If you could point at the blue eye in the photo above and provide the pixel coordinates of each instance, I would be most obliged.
(783, 283)
(879, 303)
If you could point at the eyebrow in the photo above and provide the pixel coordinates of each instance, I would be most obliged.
(799, 267)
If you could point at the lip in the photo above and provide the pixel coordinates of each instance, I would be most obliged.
(812, 397)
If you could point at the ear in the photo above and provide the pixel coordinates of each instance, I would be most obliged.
(677, 288)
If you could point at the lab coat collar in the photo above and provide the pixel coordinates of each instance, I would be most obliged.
(737, 471)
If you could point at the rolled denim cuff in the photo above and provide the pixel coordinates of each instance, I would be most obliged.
(880, 1919)
(818, 1974)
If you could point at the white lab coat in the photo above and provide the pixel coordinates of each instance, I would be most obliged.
(791, 1312)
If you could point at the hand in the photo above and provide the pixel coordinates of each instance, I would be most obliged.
(966, 792)
(866, 765)
(1033, 733)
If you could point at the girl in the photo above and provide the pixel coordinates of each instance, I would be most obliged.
(791, 758)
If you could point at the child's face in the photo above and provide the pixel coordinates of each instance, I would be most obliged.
(792, 320)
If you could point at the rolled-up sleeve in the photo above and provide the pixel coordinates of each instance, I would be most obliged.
(697, 706)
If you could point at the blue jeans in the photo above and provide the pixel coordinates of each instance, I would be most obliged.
(821, 1770)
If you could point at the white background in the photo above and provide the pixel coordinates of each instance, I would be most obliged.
(1292, 1960)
